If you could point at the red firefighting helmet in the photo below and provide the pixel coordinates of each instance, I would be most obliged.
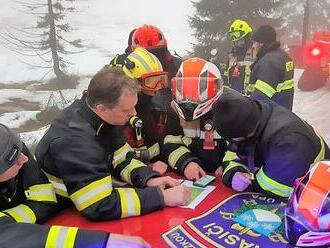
(148, 37)
(307, 215)
(196, 86)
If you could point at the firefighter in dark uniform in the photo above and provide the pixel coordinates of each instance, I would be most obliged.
(272, 72)
(241, 56)
(192, 147)
(84, 149)
(147, 135)
(269, 147)
(28, 199)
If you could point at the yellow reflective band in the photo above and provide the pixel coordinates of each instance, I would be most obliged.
(289, 66)
(233, 164)
(3, 215)
(173, 139)
(286, 85)
(142, 61)
(58, 185)
(125, 174)
(41, 192)
(22, 214)
(265, 88)
(92, 193)
(268, 184)
(130, 202)
(229, 156)
(186, 140)
(61, 237)
(119, 155)
(154, 150)
(321, 154)
(174, 156)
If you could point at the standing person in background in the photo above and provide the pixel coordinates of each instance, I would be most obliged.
(28, 199)
(241, 56)
(84, 148)
(272, 72)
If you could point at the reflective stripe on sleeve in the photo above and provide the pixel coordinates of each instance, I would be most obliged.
(3, 215)
(130, 202)
(119, 155)
(173, 139)
(92, 193)
(125, 174)
(268, 184)
(154, 150)
(233, 164)
(61, 237)
(229, 156)
(22, 214)
(58, 185)
(286, 85)
(41, 192)
(174, 156)
(265, 88)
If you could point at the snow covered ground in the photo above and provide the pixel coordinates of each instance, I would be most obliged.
(104, 25)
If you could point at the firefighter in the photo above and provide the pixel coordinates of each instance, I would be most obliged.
(192, 147)
(241, 56)
(269, 147)
(84, 149)
(152, 39)
(28, 199)
(146, 135)
(273, 70)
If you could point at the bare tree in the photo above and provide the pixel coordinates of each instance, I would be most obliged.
(46, 39)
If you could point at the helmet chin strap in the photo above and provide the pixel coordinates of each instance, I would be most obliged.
(205, 131)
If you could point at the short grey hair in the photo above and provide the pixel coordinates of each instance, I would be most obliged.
(106, 87)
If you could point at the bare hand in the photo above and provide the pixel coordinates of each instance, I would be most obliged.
(193, 171)
(163, 182)
(241, 181)
(218, 172)
(177, 196)
(159, 166)
(124, 241)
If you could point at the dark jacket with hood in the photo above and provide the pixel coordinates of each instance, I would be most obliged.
(272, 75)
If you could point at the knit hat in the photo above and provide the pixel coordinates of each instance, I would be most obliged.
(10, 148)
(235, 115)
(264, 34)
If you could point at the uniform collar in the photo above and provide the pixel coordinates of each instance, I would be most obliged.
(96, 122)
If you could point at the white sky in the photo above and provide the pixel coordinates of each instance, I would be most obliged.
(104, 25)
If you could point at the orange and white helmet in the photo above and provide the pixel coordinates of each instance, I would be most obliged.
(307, 215)
(196, 86)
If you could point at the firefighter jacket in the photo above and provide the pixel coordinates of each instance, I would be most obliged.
(179, 150)
(283, 149)
(153, 128)
(28, 200)
(272, 76)
(239, 70)
(80, 155)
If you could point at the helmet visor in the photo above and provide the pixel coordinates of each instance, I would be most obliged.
(154, 81)
(236, 35)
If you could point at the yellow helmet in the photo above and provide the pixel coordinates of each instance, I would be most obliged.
(145, 67)
(239, 29)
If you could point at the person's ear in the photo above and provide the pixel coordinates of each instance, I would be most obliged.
(100, 108)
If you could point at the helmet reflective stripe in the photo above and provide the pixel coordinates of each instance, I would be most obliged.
(141, 62)
(195, 86)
